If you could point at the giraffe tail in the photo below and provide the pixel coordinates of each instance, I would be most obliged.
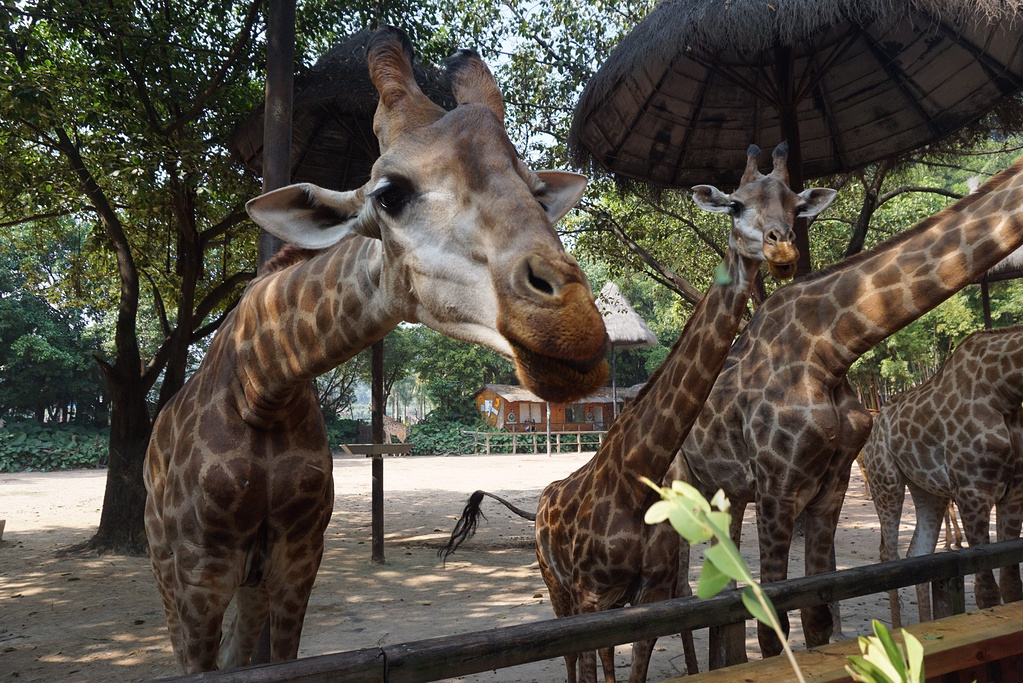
(466, 525)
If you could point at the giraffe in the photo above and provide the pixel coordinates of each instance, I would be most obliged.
(782, 426)
(594, 550)
(396, 428)
(958, 436)
(452, 230)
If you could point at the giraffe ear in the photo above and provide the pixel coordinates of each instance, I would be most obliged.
(814, 200)
(310, 216)
(561, 191)
(709, 198)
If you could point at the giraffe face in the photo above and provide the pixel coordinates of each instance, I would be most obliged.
(467, 229)
(763, 210)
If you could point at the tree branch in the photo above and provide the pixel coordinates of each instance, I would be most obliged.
(217, 295)
(36, 217)
(677, 284)
(232, 57)
(232, 219)
(916, 188)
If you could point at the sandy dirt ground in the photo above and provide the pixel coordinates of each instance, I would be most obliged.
(99, 618)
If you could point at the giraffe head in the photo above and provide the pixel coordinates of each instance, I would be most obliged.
(469, 247)
(763, 209)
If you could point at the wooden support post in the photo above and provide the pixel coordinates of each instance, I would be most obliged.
(948, 597)
(727, 645)
(377, 409)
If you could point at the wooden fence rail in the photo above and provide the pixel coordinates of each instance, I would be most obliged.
(468, 653)
(486, 443)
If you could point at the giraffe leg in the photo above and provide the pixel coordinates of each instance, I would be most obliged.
(643, 649)
(588, 667)
(201, 612)
(728, 642)
(818, 621)
(684, 589)
(290, 598)
(641, 652)
(561, 603)
(1009, 519)
(253, 605)
(976, 515)
(956, 529)
(776, 519)
(889, 491)
(607, 663)
(571, 661)
(930, 510)
(162, 570)
(867, 493)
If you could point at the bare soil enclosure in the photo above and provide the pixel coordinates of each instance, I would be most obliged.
(100, 619)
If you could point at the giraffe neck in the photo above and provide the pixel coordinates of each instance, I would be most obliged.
(649, 432)
(857, 303)
(297, 323)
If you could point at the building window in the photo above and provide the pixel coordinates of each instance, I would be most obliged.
(575, 412)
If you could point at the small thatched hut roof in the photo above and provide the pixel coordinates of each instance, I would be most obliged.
(332, 140)
(691, 86)
(624, 326)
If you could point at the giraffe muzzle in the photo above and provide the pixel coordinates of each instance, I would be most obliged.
(781, 255)
(555, 330)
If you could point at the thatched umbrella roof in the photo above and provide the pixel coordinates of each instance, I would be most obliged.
(332, 142)
(847, 82)
(625, 328)
(1009, 268)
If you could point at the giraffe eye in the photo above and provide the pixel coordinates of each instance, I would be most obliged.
(735, 208)
(392, 194)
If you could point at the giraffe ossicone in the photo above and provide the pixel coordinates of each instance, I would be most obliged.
(452, 230)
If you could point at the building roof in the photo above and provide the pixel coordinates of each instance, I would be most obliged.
(624, 326)
(513, 392)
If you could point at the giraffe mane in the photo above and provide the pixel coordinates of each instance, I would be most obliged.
(289, 255)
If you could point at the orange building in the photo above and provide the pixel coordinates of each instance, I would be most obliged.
(510, 407)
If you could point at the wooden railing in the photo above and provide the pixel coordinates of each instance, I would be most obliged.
(490, 443)
(459, 655)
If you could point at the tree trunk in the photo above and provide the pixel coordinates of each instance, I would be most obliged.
(121, 524)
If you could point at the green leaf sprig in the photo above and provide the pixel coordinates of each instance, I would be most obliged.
(696, 520)
(884, 661)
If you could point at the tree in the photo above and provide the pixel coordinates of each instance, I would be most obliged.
(46, 367)
(452, 371)
(336, 389)
(115, 119)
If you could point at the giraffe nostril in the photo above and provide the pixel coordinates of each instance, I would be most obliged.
(539, 283)
(534, 277)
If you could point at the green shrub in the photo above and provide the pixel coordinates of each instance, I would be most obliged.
(36, 447)
(440, 437)
(342, 431)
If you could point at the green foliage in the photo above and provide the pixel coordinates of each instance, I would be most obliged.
(35, 447)
(46, 363)
(438, 436)
(884, 661)
(341, 431)
(451, 372)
